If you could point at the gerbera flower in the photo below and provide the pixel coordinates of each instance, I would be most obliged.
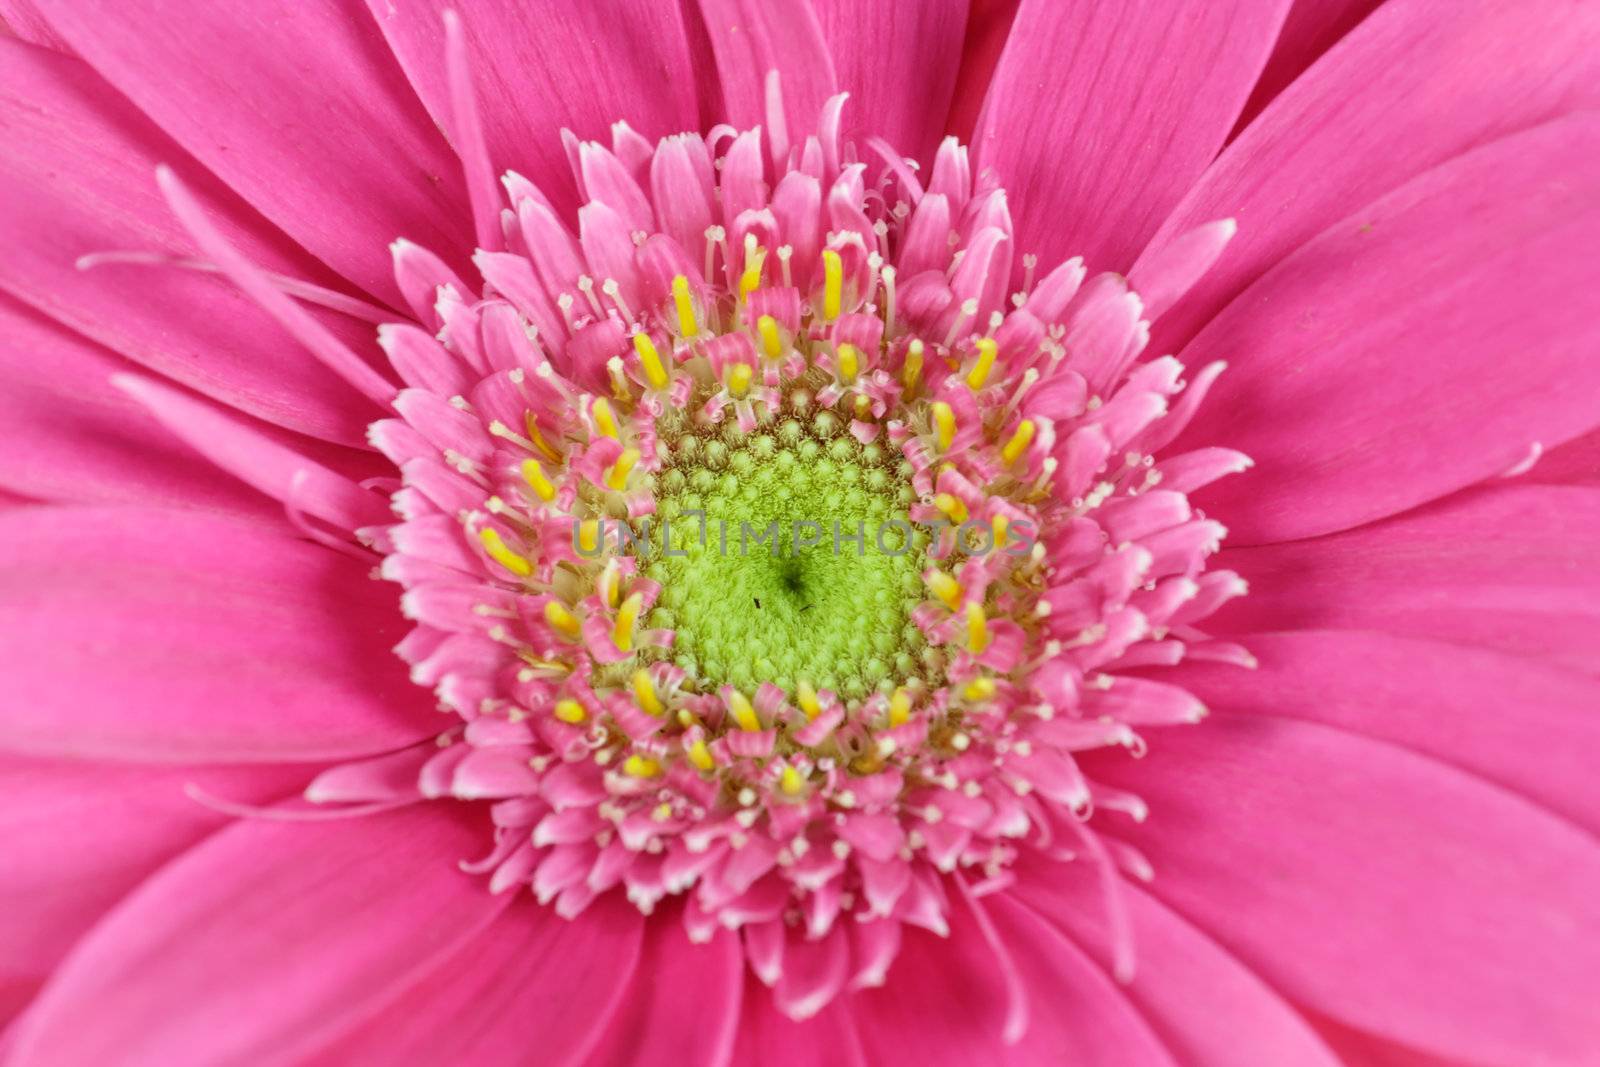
(692, 534)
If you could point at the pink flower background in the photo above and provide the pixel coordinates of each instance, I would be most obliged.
(1379, 849)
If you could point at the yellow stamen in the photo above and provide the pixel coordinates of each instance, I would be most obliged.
(1001, 526)
(771, 339)
(685, 304)
(832, 284)
(900, 707)
(502, 554)
(617, 477)
(641, 767)
(979, 374)
(700, 756)
(806, 697)
(913, 365)
(743, 713)
(739, 376)
(538, 439)
(655, 372)
(604, 421)
(953, 508)
(979, 689)
(627, 619)
(946, 588)
(754, 258)
(791, 782)
(610, 583)
(1019, 441)
(849, 363)
(589, 536)
(944, 422)
(644, 691)
(562, 620)
(533, 474)
(977, 629)
(570, 711)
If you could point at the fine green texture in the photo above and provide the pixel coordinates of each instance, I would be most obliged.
(754, 602)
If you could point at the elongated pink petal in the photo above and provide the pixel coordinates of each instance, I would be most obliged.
(263, 940)
(1507, 566)
(1348, 342)
(532, 980)
(545, 66)
(1574, 463)
(1303, 849)
(77, 178)
(769, 1037)
(1405, 91)
(141, 634)
(898, 62)
(1311, 28)
(366, 164)
(752, 37)
(1100, 116)
(24, 22)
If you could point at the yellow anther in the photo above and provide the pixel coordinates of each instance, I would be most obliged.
(979, 374)
(700, 755)
(589, 536)
(685, 304)
(538, 439)
(863, 406)
(944, 424)
(771, 339)
(655, 372)
(561, 620)
(644, 691)
(617, 476)
(662, 811)
(946, 588)
(534, 475)
(912, 370)
(849, 363)
(610, 583)
(791, 781)
(570, 711)
(641, 767)
(977, 629)
(1001, 527)
(1020, 440)
(604, 420)
(754, 258)
(900, 707)
(739, 377)
(979, 689)
(627, 619)
(806, 696)
(743, 713)
(952, 507)
(832, 284)
(502, 554)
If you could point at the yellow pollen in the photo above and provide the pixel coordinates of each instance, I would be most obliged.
(849, 363)
(979, 689)
(1019, 442)
(562, 620)
(771, 339)
(806, 696)
(977, 629)
(944, 422)
(604, 421)
(644, 691)
(739, 376)
(900, 707)
(863, 406)
(791, 782)
(743, 713)
(832, 285)
(627, 618)
(534, 475)
(979, 374)
(650, 359)
(589, 535)
(700, 756)
(913, 365)
(617, 477)
(946, 588)
(610, 583)
(754, 258)
(502, 554)
(953, 508)
(570, 711)
(538, 439)
(1001, 526)
(685, 304)
(641, 767)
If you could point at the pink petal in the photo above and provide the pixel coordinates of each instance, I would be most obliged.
(1507, 566)
(1405, 91)
(77, 837)
(22, 20)
(1377, 886)
(752, 37)
(298, 107)
(164, 636)
(1368, 350)
(548, 65)
(1574, 463)
(1311, 28)
(1100, 117)
(263, 941)
(988, 28)
(77, 179)
(898, 62)
(770, 1038)
(531, 981)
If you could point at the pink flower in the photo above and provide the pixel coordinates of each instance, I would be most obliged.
(918, 776)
